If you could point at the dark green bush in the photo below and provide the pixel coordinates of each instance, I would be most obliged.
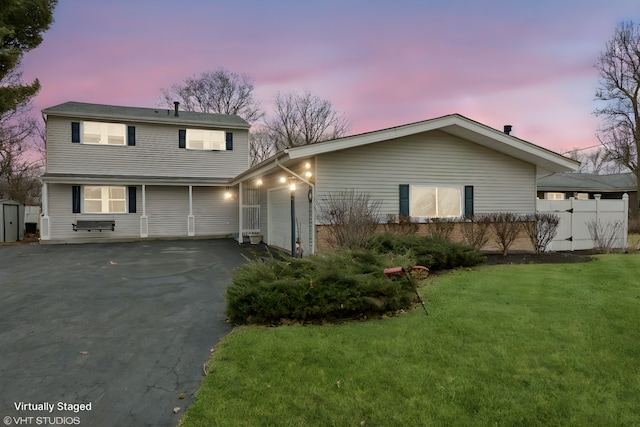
(334, 286)
(430, 252)
(338, 285)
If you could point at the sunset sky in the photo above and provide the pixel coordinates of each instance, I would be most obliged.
(381, 63)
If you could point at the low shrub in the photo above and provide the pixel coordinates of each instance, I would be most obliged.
(336, 285)
(435, 254)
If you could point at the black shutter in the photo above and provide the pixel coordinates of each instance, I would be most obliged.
(132, 199)
(75, 196)
(468, 200)
(131, 135)
(75, 132)
(229, 140)
(404, 200)
(182, 138)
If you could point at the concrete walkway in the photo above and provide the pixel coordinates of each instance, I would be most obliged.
(109, 334)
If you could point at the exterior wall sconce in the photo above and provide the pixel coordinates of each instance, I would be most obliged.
(229, 195)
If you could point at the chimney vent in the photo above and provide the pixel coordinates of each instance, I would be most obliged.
(507, 129)
(177, 104)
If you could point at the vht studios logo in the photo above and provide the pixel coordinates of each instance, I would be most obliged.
(45, 421)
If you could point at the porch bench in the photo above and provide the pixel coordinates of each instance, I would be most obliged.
(94, 225)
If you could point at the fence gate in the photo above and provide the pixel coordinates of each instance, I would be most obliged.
(576, 216)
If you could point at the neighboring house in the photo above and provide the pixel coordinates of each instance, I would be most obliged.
(446, 167)
(120, 173)
(561, 186)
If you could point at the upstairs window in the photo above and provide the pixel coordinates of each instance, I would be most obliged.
(200, 139)
(209, 140)
(103, 133)
(435, 202)
(105, 199)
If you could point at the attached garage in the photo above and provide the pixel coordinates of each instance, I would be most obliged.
(11, 221)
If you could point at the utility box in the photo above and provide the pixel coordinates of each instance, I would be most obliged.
(31, 219)
(11, 221)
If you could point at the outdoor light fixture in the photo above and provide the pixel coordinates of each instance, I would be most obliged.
(307, 165)
(308, 174)
(283, 179)
(258, 181)
(228, 195)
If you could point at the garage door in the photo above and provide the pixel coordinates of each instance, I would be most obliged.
(279, 217)
(279, 208)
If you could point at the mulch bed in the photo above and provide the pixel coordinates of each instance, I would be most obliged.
(544, 258)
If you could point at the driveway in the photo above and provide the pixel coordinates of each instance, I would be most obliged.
(109, 334)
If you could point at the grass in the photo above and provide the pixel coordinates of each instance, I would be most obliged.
(516, 345)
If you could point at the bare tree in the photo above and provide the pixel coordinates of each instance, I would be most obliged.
(20, 160)
(351, 218)
(598, 161)
(304, 119)
(261, 146)
(619, 87)
(219, 92)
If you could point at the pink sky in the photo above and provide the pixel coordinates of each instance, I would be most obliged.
(381, 63)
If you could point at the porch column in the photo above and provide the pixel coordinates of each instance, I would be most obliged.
(240, 220)
(144, 221)
(191, 221)
(45, 231)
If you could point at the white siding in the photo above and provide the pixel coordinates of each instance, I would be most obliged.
(61, 219)
(167, 209)
(501, 183)
(214, 215)
(156, 153)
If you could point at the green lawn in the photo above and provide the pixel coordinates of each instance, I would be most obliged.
(555, 344)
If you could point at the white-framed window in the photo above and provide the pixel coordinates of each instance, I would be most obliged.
(104, 133)
(105, 199)
(554, 196)
(201, 139)
(582, 196)
(435, 202)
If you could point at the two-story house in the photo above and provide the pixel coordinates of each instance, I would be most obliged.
(121, 173)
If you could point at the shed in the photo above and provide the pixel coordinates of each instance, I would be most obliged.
(11, 221)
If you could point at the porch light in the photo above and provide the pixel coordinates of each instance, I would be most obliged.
(283, 179)
(308, 174)
(307, 165)
(292, 186)
(259, 182)
(228, 195)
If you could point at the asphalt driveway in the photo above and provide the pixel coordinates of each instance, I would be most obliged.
(109, 334)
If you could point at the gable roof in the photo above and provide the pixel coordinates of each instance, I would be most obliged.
(147, 115)
(588, 182)
(459, 126)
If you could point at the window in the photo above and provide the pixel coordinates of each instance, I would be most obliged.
(555, 196)
(104, 133)
(200, 139)
(105, 199)
(435, 202)
(582, 196)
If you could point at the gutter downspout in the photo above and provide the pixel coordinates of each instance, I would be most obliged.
(313, 195)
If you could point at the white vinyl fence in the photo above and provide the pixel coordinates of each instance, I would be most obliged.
(610, 216)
